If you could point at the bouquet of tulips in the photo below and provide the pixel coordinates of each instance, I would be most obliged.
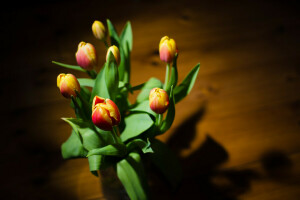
(109, 130)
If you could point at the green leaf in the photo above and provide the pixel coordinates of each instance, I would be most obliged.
(143, 107)
(95, 163)
(126, 38)
(125, 51)
(106, 136)
(100, 88)
(75, 67)
(86, 82)
(124, 67)
(167, 123)
(114, 38)
(109, 150)
(141, 144)
(186, 85)
(135, 125)
(111, 76)
(149, 85)
(131, 173)
(84, 129)
(72, 148)
(122, 102)
(165, 160)
(121, 84)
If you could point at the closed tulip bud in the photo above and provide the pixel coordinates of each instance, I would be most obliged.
(68, 85)
(167, 49)
(115, 52)
(99, 30)
(158, 100)
(105, 113)
(86, 56)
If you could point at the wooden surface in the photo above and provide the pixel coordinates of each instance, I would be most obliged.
(237, 133)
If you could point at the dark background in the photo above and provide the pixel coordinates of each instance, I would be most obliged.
(237, 133)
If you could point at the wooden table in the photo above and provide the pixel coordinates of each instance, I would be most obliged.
(237, 133)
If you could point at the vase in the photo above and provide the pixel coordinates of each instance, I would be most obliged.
(110, 185)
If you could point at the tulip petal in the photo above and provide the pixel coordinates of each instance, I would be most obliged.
(101, 118)
(96, 101)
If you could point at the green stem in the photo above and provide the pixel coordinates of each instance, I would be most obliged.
(167, 76)
(117, 131)
(92, 74)
(78, 111)
(86, 105)
(137, 87)
(159, 119)
(115, 135)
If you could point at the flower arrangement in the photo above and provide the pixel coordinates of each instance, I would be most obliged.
(109, 130)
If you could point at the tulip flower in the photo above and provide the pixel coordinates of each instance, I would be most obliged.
(68, 85)
(105, 113)
(167, 49)
(115, 52)
(158, 100)
(86, 56)
(99, 30)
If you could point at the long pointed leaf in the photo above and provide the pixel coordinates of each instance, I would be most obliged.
(86, 82)
(100, 88)
(131, 173)
(186, 85)
(114, 38)
(75, 67)
(126, 38)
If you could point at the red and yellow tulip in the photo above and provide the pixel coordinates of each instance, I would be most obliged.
(68, 84)
(115, 51)
(99, 30)
(86, 56)
(158, 100)
(105, 113)
(167, 49)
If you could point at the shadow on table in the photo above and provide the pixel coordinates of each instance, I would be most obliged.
(277, 166)
(202, 177)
